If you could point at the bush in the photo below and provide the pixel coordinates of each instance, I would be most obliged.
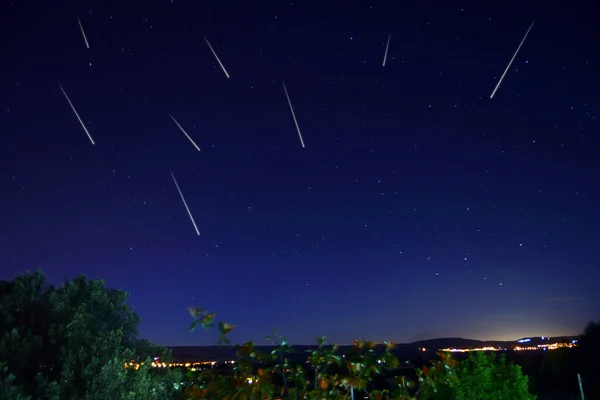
(330, 375)
(482, 376)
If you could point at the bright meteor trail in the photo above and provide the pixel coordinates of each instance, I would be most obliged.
(185, 204)
(185, 133)
(511, 60)
(83, 33)
(76, 114)
(387, 46)
(293, 114)
(217, 57)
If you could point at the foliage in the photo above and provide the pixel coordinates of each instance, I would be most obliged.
(7, 386)
(72, 342)
(589, 359)
(438, 379)
(328, 374)
(482, 376)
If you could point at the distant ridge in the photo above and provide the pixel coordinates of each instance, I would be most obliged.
(404, 350)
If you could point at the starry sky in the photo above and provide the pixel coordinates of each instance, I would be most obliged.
(419, 207)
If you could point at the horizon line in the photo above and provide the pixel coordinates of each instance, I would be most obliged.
(381, 342)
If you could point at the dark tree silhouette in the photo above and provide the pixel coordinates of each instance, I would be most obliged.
(72, 342)
(589, 359)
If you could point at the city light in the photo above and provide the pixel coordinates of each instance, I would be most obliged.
(205, 364)
(552, 346)
(453, 350)
(190, 365)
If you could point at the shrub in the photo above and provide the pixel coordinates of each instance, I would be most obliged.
(328, 374)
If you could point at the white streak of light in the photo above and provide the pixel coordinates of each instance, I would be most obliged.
(77, 115)
(83, 33)
(293, 114)
(217, 57)
(387, 46)
(185, 133)
(511, 60)
(185, 204)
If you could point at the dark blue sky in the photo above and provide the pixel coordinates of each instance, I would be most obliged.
(419, 208)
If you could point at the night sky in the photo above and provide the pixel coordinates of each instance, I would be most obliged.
(419, 207)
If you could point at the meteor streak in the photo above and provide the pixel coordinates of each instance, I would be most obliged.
(83, 33)
(217, 57)
(387, 46)
(185, 133)
(185, 204)
(76, 114)
(511, 60)
(293, 114)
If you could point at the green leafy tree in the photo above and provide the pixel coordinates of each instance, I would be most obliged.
(8, 389)
(72, 342)
(24, 340)
(483, 376)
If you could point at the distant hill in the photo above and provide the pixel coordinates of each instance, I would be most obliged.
(404, 350)
(445, 343)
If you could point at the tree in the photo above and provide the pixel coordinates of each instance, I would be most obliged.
(589, 359)
(72, 342)
(9, 390)
(483, 376)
